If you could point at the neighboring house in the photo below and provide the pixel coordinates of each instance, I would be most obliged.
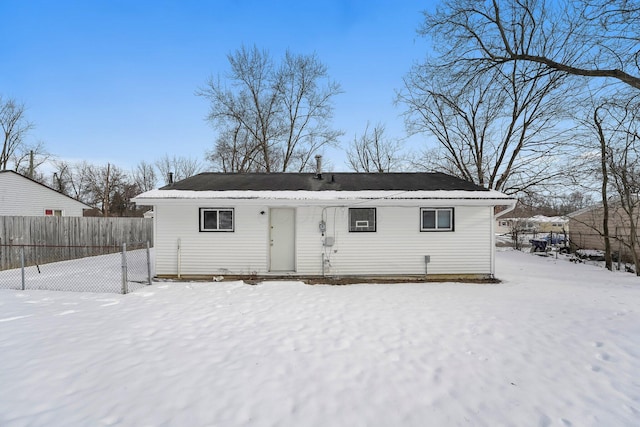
(22, 196)
(337, 224)
(586, 228)
(534, 224)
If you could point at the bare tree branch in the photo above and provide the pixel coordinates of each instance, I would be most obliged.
(270, 118)
(14, 126)
(588, 38)
(374, 152)
(497, 129)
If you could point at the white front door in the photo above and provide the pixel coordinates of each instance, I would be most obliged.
(282, 235)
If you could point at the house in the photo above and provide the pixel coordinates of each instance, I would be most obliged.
(22, 196)
(586, 227)
(534, 224)
(337, 224)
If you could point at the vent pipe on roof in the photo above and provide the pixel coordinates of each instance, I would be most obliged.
(318, 166)
(170, 178)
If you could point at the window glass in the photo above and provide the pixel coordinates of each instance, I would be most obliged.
(444, 219)
(215, 219)
(211, 220)
(226, 220)
(428, 219)
(437, 219)
(362, 219)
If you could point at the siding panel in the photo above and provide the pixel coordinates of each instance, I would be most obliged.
(19, 196)
(210, 253)
(397, 247)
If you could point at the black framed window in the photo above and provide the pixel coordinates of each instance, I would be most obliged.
(216, 219)
(436, 219)
(362, 219)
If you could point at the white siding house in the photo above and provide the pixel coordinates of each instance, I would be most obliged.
(534, 224)
(339, 225)
(22, 196)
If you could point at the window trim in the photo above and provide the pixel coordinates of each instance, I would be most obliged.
(436, 229)
(355, 229)
(53, 212)
(201, 212)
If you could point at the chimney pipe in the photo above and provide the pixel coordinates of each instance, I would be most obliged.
(170, 178)
(318, 166)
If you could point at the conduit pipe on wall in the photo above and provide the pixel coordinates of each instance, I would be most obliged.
(179, 257)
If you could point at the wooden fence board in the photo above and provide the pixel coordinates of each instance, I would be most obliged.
(53, 239)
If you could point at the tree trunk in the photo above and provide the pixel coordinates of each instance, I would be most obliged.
(605, 182)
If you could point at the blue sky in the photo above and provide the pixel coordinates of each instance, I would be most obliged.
(114, 81)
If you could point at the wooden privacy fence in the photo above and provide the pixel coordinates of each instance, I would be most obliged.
(75, 237)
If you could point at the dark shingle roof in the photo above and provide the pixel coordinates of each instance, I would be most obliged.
(338, 181)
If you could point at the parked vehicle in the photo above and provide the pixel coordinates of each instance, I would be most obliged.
(557, 239)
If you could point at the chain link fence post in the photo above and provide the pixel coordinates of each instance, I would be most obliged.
(124, 268)
(22, 266)
(148, 263)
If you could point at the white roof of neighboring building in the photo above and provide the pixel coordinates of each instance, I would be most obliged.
(540, 219)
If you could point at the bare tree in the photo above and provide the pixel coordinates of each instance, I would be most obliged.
(74, 180)
(105, 188)
(28, 158)
(497, 129)
(589, 38)
(551, 204)
(373, 151)
(14, 127)
(181, 167)
(624, 167)
(144, 176)
(234, 151)
(108, 188)
(611, 166)
(604, 173)
(121, 204)
(276, 117)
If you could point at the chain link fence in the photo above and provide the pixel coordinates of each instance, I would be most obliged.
(114, 268)
(619, 241)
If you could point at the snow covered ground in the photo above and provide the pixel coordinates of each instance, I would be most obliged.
(101, 273)
(555, 344)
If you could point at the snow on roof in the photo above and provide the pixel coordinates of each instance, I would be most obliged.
(542, 218)
(324, 195)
